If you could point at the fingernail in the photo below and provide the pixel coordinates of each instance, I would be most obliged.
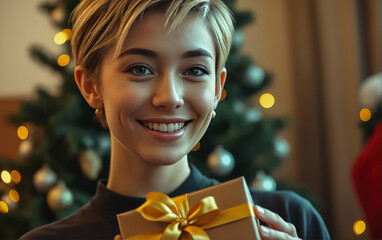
(264, 230)
(260, 209)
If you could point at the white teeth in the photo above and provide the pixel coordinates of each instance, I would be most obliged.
(170, 127)
(162, 127)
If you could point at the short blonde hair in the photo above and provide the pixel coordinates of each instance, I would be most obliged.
(99, 25)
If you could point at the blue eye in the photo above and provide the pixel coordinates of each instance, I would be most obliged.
(197, 71)
(139, 70)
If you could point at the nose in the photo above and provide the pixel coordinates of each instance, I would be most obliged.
(168, 92)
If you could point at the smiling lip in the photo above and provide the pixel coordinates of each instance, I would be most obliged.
(165, 129)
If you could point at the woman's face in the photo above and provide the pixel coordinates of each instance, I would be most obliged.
(159, 93)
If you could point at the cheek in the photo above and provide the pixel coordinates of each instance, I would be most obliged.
(122, 101)
(202, 98)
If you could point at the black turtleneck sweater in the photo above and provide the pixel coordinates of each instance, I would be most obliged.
(97, 219)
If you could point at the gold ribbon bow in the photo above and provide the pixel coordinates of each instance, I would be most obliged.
(185, 222)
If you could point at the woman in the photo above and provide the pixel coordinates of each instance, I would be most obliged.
(154, 72)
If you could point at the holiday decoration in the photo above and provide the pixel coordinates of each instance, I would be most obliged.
(11, 205)
(59, 197)
(44, 179)
(370, 93)
(58, 14)
(264, 182)
(282, 148)
(221, 162)
(25, 148)
(254, 76)
(238, 39)
(90, 163)
(252, 115)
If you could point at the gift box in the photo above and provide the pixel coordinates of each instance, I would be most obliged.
(223, 211)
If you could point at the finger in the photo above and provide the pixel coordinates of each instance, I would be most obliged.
(274, 221)
(118, 237)
(271, 234)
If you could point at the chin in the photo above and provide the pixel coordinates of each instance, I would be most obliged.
(163, 160)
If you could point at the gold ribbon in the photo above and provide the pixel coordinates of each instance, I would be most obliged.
(184, 222)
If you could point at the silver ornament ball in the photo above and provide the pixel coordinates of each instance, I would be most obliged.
(44, 178)
(221, 162)
(60, 197)
(90, 163)
(281, 147)
(264, 182)
(254, 76)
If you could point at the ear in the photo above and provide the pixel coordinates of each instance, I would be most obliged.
(219, 86)
(88, 88)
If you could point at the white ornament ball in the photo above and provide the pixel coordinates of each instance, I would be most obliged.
(281, 147)
(44, 179)
(221, 162)
(370, 92)
(239, 107)
(60, 197)
(254, 76)
(90, 163)
(25, 148)
(264, 182)
(253, 115)
(238, 39)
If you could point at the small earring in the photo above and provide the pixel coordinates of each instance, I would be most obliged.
(213, 114)
(98, 112)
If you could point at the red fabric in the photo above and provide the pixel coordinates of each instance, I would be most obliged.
(367, 182)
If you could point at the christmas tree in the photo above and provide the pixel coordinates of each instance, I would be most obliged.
(65, 150)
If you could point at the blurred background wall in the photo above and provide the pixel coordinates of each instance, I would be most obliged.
(319, 51)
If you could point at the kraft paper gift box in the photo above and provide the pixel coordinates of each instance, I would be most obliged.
(227, 195)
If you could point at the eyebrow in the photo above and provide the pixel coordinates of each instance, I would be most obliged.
(149, 53)
(197, 53)
(139, 51)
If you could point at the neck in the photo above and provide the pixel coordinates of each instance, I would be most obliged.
(131, 176)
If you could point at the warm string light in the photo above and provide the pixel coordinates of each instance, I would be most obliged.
(63, 60)
(14, 195)
(11, 178)
(224, 95)
(6, 176)
(267, 100)
(15, 176)
(359, 227)
(3, 207)
(63, 36)
(22, 132)
(365, 114)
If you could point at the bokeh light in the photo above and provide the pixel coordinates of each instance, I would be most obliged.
(196, 148)
(224, 94)
(5, 176)
(22, 132)
(15, 176)
(14, 195)
(63, 60)
(365, 114)
(267, 100)
(60, 38)
(68, 33)
(3, 207)
(359, 227)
